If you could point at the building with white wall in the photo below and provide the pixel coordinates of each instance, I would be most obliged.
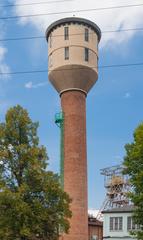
(118, 223)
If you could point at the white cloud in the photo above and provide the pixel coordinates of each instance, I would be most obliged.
(3, 51)
(4, 105)
(95, 213)
(4, 68)
(127, 95)
(118, 157)
(106, 19)
(30, 85)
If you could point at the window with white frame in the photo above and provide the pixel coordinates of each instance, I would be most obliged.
(94, 237)
(131, 224)
(116, 223)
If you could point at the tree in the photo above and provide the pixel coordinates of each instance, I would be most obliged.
(32, 203)
(133, 162)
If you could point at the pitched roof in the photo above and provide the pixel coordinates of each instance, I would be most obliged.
(94, 221)
(124, 209)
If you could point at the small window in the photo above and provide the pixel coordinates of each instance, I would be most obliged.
(86, 35)
(66, 33)
(94, 237)
(50, 40)
(66, 53)
(111, 223)
(50, 60)
(120, 223)
(86, 54)
(116, 223)
(131, 224)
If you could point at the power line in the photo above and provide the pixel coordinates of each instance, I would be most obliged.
(99, 67)
(21, 38)
(74, 11)
(30, 4)
(123, 30)
(43, 37)
(121, 65)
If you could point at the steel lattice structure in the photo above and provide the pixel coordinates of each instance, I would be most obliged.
(117, 187)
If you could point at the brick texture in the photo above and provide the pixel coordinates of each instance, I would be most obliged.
(95, 228)
(75, 162)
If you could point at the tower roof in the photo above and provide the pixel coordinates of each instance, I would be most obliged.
(82, 21)
(124, 209)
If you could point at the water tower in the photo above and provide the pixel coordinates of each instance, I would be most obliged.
(73, 59)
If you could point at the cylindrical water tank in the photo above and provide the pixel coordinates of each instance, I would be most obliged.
(73, 54)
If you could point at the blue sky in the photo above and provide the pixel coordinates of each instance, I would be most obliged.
(114, 105)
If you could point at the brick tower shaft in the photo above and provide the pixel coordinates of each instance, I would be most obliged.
(75, 161)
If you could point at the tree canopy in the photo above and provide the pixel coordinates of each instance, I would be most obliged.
(32, 204)
(134, 168)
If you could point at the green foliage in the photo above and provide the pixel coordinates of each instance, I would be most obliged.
(32, 204)
(134, 168)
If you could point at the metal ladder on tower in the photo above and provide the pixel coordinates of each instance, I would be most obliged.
(59, 120)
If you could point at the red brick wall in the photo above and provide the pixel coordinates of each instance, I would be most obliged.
(75, 161)
(95, 230)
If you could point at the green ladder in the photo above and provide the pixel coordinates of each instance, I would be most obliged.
(59, 120)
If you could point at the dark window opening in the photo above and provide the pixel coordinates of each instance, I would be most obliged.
(50, 40)
(66, 53)
(86, 36)
(86, 57)
(50, 60)
(66, 33)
